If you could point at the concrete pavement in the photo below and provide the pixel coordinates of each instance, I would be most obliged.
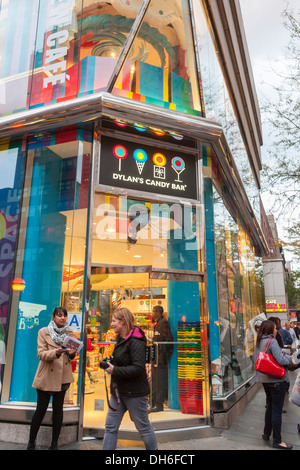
(244, 434)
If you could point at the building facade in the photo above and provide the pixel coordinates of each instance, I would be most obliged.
(130, 160)
(275, 271)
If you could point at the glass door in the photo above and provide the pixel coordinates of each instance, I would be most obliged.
(179, 377)
(169, 307)
(112, 287)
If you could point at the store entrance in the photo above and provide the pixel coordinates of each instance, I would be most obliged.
(177, 364)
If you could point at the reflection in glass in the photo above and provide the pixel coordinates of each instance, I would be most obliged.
(57, 181)
(184, 356)
(105, 27)
(69, 49)
(218, 106)
(18, 23)
(12, 161)
(54, 51)
(55, 72)
(160, 67)
(239, 300)
(146, 233)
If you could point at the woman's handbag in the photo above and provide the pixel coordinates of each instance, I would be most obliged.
(266, 364)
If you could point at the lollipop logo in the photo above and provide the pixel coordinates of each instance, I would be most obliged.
(140, 157)
(159, 161)
(178, 166)
(120, 152)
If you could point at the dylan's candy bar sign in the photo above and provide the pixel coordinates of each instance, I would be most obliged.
(133, 165)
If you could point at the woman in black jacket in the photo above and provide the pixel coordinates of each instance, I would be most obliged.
(129, 383)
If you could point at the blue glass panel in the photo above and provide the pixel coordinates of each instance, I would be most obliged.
(183, 301)
(59, 181)
(42, 269)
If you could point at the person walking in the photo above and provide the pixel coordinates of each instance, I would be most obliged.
(160, 370)
(287, 339)
(278, 336)
(289, 328)
(275, 388)
(53, 376)
(129, 383)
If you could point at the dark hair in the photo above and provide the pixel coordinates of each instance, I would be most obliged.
(276, 320)
(158, 308)
(59, 309)
(266, 328)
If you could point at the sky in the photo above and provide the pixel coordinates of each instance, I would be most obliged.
(267, 39)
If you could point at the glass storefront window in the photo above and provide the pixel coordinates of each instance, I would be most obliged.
(161, 66)
(218, 106)
(55, 69)
(140, 260)
(139, 249)
(239, 291)
(50, 244)
(259, 283)
(18, 23)
(104, 30)
(157, 234)
(39, 48)
(180, 365)
(154, 255)
(70, 48)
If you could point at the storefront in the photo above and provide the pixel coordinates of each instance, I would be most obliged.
(89, 243)
(118, 192)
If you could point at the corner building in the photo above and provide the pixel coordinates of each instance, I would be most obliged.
(130, 159)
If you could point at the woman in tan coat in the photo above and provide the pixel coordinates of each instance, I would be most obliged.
(53, 375)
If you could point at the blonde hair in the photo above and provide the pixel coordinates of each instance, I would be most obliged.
(125, 313)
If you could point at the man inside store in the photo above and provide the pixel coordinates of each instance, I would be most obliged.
(159, 373)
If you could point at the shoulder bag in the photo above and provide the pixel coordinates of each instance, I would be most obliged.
(266, 364)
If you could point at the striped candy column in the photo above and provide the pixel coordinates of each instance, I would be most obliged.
(190, 368)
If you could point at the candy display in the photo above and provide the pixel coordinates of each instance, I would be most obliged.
(190, 367)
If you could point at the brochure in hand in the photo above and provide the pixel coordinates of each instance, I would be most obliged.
(72, 343)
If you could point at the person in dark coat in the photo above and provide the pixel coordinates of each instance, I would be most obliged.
(278, 336)
(129, 383)
(162, 334)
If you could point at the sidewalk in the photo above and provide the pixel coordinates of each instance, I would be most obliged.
(244, 434)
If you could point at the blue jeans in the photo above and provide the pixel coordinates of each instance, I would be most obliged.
(138, 411)
(275, 393)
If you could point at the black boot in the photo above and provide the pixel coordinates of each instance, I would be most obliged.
(31, 445)
(53, 446)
